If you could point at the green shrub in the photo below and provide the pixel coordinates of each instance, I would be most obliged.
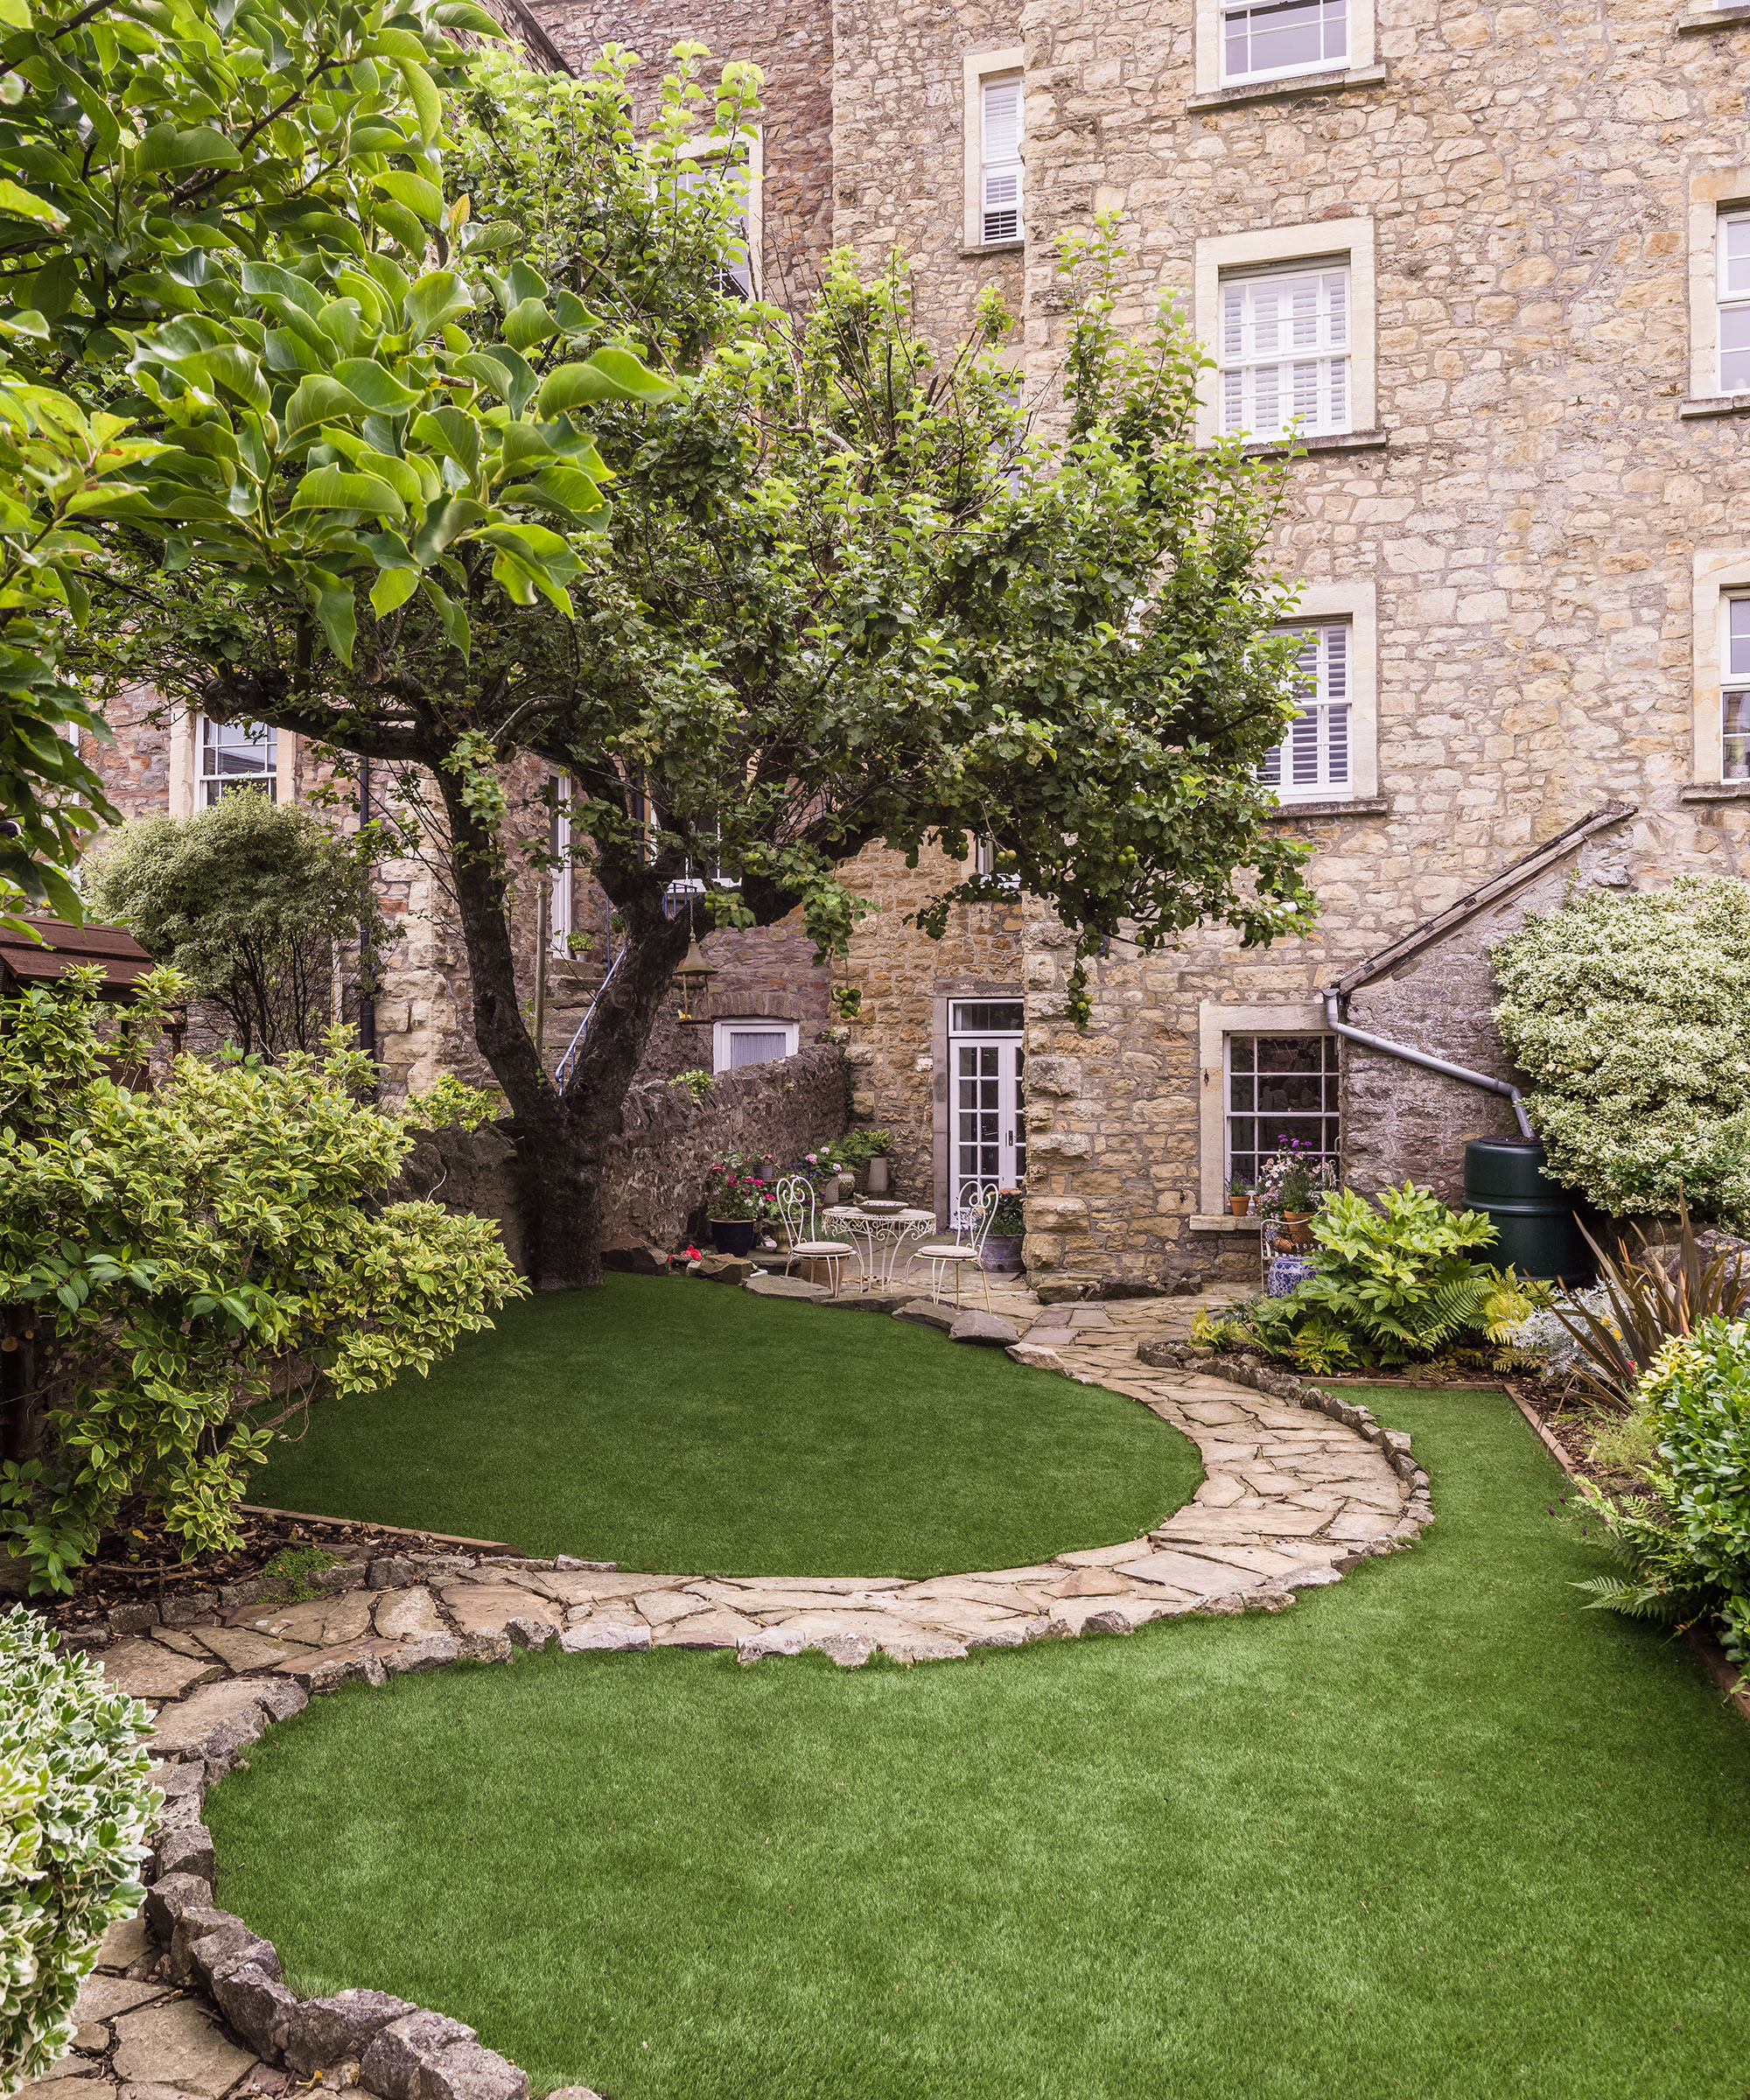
(1632, 1015)
(1688, 1553)
(185, 1254)
(1395, 1284)
(247, 900)
(75, 1807)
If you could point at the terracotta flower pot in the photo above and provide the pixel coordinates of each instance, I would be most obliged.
(1239, 1205)
(1300, 1224)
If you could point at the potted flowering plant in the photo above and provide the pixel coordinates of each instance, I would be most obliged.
(737, 1196)
(1292, 1183)
(1002, 1250)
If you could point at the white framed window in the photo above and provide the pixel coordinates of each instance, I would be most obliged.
(1280, 1089)
(1283, 37)
(994, 121)
(232, 755)
(1284, 349)
(561, 922)
(1732, 293)
(741, 163)
(1734, 690)
(752, 1041)
(1000, 172)
(1314, 760)
(1287, 313)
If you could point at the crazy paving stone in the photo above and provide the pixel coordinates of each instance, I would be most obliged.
(324, 1623)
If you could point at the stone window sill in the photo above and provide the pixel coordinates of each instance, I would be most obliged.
(1361, 805)
(1720, 404)
(1337, 441)
(1717, 791)
(992, 248)
(1274, 91)
(1712, 17)
(1226, 1224)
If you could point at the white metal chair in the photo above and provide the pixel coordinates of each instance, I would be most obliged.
(971, 1222)
(795, 1197)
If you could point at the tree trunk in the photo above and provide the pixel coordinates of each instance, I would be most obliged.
(561, 1139)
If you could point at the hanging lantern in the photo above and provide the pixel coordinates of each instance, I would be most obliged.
(692, 982)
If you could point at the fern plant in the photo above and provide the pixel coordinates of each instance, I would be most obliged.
(1395, 1284)
(1688, 1552)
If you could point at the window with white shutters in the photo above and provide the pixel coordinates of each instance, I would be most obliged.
(1000, 159)
(1312, 761)
(1291, 35)
(1732, 283)
(1734, 697)
(1285, 351)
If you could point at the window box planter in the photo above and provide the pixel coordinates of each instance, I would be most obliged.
(733, 1235)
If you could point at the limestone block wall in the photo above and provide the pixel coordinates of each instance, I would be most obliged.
(899, 149)
(791, 41)
(1526, 516)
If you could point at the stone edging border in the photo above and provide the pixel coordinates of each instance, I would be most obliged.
(385, 2045)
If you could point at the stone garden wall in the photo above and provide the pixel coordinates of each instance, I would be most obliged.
(657, 1165)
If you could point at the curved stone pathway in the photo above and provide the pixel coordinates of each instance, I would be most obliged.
(187, 2001)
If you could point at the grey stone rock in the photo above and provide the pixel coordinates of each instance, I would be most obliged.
(85, 1640)
(1035, 1356)
(869, 1301)
(786, 1286)
(848, 1651)
(126, 1943)
(1106, 1622)
(258, 2006)
(174, 2044)
(534, 1633)
(1070, 1290)
(441, 1567)
(430, 1651)
(635, 1258)
(393, 1571)
(186, 1849)
(322, 2031)
(167, 1900)
(770, 1640)
(989, 1330)
(1307, 1579)
(926, 1313)
(469, 2072)
(594, 1567)
(133, 1618)
(397, 2054)
(489, 1644)
(605, 1634)
(186, 1608)
(352, 1663)
(574, 2092)
(194, 1922)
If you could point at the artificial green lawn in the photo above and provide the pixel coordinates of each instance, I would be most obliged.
(1437, 1831)
(672, 1424)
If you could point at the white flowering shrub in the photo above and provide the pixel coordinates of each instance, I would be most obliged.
(74, 1809)
(1632, 1016)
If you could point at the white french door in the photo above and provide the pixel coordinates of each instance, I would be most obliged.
(987, 1137)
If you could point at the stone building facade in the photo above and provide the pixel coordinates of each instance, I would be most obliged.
(1497, 256)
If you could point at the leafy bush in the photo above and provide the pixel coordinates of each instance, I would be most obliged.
(247, 900)
(75, 1807)
(175, 1258)
(1395, 1284)
(1632, 1015)
(1646, 1306)
(1687, 1554)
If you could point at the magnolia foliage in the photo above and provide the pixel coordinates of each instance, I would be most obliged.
(1632, 1015)
(75, 1807)
(186, 1254)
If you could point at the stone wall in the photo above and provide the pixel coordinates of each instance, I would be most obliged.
(656, 1166)
(899, 149)
(892, 1050)
(1527, 514)
(791, 42)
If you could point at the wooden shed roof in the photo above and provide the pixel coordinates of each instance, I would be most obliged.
(23, 963)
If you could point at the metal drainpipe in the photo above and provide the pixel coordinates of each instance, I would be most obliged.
(1333, 1001)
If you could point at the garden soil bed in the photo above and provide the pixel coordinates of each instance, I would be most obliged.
(144, 1565)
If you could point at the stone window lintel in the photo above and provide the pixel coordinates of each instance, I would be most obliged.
(1360, 805)
(1702, 18)
(1721, 404)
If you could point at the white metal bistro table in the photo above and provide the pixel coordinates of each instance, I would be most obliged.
(880, 1241)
